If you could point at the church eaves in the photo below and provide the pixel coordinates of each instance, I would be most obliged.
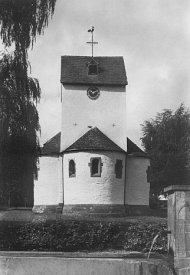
(94, 139)
(111, 70)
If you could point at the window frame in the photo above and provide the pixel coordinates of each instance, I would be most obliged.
(100, 164)
(73, 175)
(93, 65)
(119, 168)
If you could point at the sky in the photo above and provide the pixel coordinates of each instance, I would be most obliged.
(153, 36)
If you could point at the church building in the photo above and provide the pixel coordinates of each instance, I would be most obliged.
(91, 166)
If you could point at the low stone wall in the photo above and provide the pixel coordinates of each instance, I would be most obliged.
(92, 209)
(28, 263)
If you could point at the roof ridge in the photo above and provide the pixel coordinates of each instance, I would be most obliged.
(99, 56)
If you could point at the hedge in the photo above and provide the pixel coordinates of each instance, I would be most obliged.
(82, 236)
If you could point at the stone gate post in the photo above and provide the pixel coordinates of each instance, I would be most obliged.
(179, 224)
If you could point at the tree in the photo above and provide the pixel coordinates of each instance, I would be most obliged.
(167, 141)
(20, 22)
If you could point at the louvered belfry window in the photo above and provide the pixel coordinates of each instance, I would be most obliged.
(93, 69)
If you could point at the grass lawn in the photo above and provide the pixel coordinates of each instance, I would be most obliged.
(26, 231)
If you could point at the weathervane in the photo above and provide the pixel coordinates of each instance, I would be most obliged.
(92, 42)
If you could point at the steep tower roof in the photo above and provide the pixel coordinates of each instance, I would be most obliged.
(110, 70)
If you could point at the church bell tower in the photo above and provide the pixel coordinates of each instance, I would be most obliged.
(93, 95)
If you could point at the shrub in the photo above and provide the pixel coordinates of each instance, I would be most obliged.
(79, 236)
(139, 237)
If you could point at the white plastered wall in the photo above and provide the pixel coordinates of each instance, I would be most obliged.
(107, 112)
(48, 186)
(84, 189)
(137, 187)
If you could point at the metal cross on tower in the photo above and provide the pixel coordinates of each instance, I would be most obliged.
(92, 42)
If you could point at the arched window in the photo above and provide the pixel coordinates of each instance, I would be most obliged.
(95, 167)
(72, 168)
(118, 168)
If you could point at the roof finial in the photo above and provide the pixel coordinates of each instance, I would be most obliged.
(92, 42)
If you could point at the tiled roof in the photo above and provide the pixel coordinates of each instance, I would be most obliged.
(134, 150)
(94, 139)
(111, 70)
(52, 146)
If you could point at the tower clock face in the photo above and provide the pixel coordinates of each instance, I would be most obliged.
(93, 93)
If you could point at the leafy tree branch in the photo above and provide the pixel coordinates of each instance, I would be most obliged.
(166, 138)
(20, 23)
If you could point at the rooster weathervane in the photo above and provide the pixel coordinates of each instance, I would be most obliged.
(92, 42)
